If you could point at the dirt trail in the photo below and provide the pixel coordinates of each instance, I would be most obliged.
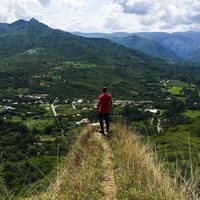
(110, 189)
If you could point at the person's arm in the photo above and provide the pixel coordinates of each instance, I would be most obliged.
(98, 106)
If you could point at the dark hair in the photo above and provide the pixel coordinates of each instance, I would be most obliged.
(104, 89)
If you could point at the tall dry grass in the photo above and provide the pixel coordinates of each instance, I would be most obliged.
(139, 174)
(80, 175)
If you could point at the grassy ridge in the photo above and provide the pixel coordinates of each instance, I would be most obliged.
(139, 175)
(80, 175)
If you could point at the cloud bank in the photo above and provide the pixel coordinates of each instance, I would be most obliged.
(107, 15)
(155, 15)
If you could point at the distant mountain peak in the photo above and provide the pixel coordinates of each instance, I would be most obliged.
(22, 22)
(19, 22)
(33, 20)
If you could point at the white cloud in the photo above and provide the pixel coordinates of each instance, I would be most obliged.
(20, 9)
(156, 15)
(63, 14)
(139, 7)
(45, 2)
(106, 15)
(112, 24)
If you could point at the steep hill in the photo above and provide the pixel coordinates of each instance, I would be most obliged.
(156, 36)
(136, 42)
(180, 44)
(194, 56)
(23, 35)
(147, 46)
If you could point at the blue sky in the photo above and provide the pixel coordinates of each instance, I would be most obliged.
(107, 15)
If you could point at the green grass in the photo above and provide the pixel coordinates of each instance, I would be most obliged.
(177, 87)
(139, 124)
(68, 110)
(192, 113)
(176, 90)
(40, 124)
(177, 83)
(44, 166)
(45, 138)
(181, 98)
(77, 64)
(162, 111)
(16, 119)
(80, 174)
(49, 113)
(179, 144)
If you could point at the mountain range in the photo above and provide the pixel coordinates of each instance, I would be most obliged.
(28, 45)
(147, 46)
(24, 35)
(177, 45)
(27, 34)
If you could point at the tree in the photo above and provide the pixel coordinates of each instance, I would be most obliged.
(132, 113)
(175, 107)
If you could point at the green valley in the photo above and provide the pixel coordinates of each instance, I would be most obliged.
(50, 81)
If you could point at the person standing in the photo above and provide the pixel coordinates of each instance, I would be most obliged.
(104, 108)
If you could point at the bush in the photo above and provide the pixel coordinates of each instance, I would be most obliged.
(174, 108)
(132, 113)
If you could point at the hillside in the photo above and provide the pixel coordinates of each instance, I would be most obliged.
(147, 46)
(23, 35)
(70, 64)
(122, 167)
(194, 56)
(165, 45)
(181, 43)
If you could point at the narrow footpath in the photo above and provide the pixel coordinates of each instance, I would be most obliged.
(110, 188)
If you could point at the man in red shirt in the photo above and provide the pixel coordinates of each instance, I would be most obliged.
(104, 108)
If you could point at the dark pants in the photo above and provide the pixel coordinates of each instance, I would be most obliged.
(104, 116)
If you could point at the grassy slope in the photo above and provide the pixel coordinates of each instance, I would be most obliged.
(138, 174)
(80, 175)
(180, 145)
(193, 114)
(125, 82)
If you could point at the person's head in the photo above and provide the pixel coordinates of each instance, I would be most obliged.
(104, 89)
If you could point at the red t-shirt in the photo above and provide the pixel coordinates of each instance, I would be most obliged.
(105, 103)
